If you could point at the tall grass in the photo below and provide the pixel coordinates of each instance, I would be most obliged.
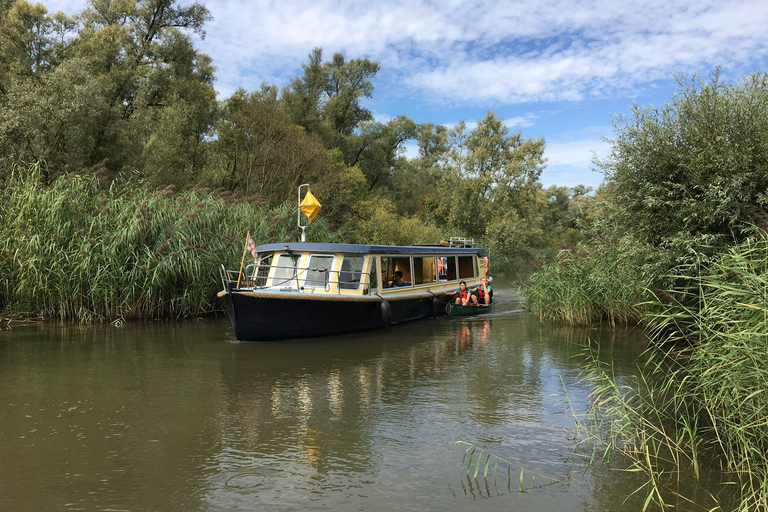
(722, 316)
(84, 248)
(584, 286)
(704, 395)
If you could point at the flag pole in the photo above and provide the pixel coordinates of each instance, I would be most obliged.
(245, 248)
(303, 228)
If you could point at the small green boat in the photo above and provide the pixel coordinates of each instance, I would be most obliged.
(454, 310)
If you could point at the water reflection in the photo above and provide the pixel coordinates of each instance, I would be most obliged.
(176, 416)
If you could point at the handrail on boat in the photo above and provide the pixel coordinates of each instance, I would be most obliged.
(251, 277)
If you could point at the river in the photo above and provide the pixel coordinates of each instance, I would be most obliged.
(178, 416)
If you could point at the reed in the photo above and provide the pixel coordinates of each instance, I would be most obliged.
(722, 319)
(86, 249)
(584, 286)
(477, 458)
(702, 387)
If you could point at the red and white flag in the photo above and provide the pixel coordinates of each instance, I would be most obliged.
(251, 246)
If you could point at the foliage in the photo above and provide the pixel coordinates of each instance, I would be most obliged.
(587, 285)
(722, 315)
(56, 115)
(326, 99)
(689, 175)
(377, 222)
(87, 247)
(140, 95)
(255, 139)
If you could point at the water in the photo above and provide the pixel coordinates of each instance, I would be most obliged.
(179, 416)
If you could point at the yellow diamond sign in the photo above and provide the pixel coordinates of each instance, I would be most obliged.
(310, 206)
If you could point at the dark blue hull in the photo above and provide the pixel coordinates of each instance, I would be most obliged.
(270, 318)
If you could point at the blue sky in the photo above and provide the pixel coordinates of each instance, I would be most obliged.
(550, 68)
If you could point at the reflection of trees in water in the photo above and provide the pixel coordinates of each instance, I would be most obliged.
(329, 399)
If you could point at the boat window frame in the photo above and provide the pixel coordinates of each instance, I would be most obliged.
(374, 276)
(462, 268)
(262, 270)
(397, 265)
(305, 269)
(435, 278)
(285, 282)
(360, 273)
(451, 266)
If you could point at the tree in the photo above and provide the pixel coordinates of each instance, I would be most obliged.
(491, 172)
(146, 62)
(691, 174)
(31, 41)
(376, 147)
(259, 151)
(56, 115)
(325, 100)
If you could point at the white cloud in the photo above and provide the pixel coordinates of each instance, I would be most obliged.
(570, 157)
(475, 52)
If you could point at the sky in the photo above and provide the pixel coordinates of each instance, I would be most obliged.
(561, 70)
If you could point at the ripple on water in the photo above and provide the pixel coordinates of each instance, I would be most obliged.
(248, 482)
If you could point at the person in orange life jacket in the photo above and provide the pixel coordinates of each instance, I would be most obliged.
(399, 279)
(484, 292)
(463, 296)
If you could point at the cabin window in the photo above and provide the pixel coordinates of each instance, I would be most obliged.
(262, 271)
(442, 268)
(450, 268)
(318, 270)
(424, 270)
(285, 270)
(373, 276)
(351, 272)
(466, 267)
(391, 265)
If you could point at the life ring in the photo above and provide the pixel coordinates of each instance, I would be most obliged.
(386, 313)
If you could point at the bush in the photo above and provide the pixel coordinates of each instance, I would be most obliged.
(586, 285)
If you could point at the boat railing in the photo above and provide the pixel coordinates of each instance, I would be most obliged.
(460, 241)
(255, 276)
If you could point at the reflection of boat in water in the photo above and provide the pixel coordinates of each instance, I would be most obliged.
(457, 310)
(301, 290)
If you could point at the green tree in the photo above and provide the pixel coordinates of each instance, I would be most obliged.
(567, 213)
(259, 151)
(492, 175)
(326, 99)
(141, 53)
(31, 40)
(56, 115)
(376, 149)
(691, 174)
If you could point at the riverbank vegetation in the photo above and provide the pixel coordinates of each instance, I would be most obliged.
(90, 248)
(116, 106)
(681, 236)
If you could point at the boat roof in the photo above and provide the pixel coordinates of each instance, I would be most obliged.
(369, 249)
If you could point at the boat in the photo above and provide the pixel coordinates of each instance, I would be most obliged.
(453, 310)
(309, 290)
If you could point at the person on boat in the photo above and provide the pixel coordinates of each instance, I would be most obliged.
(483, 292)
(463, 296)
(399, 279)
(384, 282)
